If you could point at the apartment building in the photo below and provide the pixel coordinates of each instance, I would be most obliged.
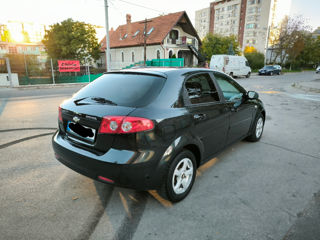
(202, 22)
(250, 20)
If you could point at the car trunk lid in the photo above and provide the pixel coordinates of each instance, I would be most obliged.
(81, 123)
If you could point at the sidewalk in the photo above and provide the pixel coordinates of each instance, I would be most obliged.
(310, 86)
(38, 86)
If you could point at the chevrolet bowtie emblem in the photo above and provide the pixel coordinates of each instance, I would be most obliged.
(76, 119)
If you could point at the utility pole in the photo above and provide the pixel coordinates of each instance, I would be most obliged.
(145, 41)
(107, 36)
(52, 73)
(267, 46)
(9, 71)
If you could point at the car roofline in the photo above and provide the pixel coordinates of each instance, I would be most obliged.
(148, 73)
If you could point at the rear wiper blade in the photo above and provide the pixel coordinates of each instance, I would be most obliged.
(103, 100)
(79, 100)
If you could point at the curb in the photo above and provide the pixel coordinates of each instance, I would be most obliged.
(38, 86)
(304, 88)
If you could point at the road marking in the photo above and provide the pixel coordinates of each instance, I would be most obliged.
(3, 105)
(24, 139)
(205, 166)
(161, 200)
(125, 204)
(269, 92)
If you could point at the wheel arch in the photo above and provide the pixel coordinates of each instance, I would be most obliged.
(196, 151)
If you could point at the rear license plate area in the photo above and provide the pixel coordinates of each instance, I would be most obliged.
(81, 131)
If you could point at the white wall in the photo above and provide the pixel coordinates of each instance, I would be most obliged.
(116, 53)
(4, 79)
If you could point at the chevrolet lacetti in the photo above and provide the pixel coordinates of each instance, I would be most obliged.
(151, 128)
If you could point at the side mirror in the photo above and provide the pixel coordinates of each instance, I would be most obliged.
(252, 95)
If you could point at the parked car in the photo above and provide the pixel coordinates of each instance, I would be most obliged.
(269, 70)
(232, 65)
(318, 69)
(152, 128)
(278, 67)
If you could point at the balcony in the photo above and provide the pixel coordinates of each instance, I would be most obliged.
(182, 41)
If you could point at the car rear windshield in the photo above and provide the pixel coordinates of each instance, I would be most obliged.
(268, 67)
(124, 89)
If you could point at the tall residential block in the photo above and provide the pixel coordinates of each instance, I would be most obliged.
(250, 20)
(202, 22)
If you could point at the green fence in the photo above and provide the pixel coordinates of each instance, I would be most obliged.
(58, 79)
(170, 62)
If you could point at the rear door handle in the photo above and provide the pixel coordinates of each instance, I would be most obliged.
(200, 116)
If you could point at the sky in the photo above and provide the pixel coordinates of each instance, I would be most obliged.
(92, 11)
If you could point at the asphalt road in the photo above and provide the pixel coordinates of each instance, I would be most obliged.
(265, 190)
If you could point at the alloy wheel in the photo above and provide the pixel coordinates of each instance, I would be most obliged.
(182, 176)
(259, 127)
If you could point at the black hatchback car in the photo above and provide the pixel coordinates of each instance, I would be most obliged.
(152, 128)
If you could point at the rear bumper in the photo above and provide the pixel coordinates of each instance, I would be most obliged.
(137, 170)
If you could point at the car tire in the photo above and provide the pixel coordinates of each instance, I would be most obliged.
(271, 73)
(257, 129)
(248, 75)
(180, 177)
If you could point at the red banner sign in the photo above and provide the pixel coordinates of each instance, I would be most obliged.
(69, 65)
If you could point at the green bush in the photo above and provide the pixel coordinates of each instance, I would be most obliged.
(255, 59)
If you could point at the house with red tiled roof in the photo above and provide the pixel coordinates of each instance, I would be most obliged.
(166, 36)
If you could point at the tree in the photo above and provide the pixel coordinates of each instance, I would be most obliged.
(249, 49)
(310, 55)
(288, 43)
(216, 44)
(72, 40)
(255, 59)
(26, 38)
(5, 35)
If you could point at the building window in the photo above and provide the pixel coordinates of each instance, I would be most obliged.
(158, 54)
(251, 10)
(170, 53)
(136, 33)
(122, 56)
(132, 56)
(250, 26)
(174, 34)
(150, 31)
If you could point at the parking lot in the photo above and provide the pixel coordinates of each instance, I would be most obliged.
(262, 190)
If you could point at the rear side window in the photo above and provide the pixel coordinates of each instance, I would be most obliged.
(130, 90)
(201, 89)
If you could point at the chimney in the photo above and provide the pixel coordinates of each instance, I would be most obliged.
(128, 17)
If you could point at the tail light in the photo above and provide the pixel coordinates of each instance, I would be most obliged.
(106, 179)
(60, 114)
(122, 124)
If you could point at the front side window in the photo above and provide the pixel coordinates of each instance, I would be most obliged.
(230, 89)
(200, 89)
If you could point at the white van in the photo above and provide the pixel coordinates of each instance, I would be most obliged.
(231, 65)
